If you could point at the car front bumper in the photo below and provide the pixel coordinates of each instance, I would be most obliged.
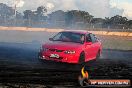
(68, 58)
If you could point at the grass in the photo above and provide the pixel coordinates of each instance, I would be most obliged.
(108, 42)
(116, 42)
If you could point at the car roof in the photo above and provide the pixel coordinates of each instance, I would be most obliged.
(77, 31)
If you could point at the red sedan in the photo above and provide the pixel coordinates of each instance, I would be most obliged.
(71, 47)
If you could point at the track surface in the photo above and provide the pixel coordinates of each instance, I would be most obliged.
(19, 64)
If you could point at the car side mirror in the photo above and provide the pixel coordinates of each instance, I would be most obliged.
(51, 39)
(89, 43)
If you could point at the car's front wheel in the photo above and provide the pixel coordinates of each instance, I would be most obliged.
(82, 58)
(39, 56)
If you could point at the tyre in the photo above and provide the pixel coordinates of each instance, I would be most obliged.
(39, 55)
(82, 58)
(98, 55)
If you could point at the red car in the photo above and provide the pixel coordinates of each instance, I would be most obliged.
(72, 47)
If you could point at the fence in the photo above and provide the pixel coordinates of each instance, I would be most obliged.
(129, 34)
(60, 25)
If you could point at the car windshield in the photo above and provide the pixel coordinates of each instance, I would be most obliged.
(69, 37)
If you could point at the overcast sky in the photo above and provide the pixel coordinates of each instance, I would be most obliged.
(97, 8)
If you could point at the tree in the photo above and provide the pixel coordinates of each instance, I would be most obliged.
(40, 12)
(116, 21)
(57, 16)
(74, 16)
(5, 11)
(35, 15)
(97, 20)
(28, 14)
(129, 23)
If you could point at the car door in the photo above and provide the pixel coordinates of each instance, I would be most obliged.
(89, 47)
(95, 45)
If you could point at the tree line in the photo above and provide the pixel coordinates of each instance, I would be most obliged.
(60, 18)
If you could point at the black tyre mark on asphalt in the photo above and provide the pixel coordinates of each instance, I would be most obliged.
(19, 63)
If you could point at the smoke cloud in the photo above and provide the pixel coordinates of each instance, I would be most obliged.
(97, 8)
(13, 3)
(126, 6)
(19, 3)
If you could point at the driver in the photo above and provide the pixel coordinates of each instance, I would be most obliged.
(82, 38)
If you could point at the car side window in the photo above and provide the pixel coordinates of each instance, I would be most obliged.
(58, 36)
(88, 38)
(93, 38)
(96, 39)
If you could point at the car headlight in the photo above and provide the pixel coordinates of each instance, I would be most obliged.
(70, 52)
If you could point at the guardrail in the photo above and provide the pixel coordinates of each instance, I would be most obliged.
(129, 34)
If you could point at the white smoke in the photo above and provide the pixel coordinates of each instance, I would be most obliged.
(113, 5)
(7, 2)
(12, 3)
(125, 6)
(127, 9)
(50, 6)
(19, 3)
(97, 8)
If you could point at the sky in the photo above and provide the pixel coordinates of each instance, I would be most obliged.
(97, 8)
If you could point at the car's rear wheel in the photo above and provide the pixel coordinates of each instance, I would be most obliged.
(98, 55)
(82, 58)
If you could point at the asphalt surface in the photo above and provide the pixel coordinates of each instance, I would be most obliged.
(19, 64)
